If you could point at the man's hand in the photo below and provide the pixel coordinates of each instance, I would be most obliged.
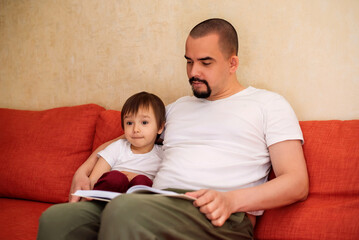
(80, 181)
(217, 206)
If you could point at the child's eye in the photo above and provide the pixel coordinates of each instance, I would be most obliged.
(145, 122)
(129, 123)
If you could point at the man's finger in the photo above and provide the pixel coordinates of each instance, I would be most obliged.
(210, 207)
(196, 194)
(74, 198)
(219, 222)
(213, 216)
(204, 199)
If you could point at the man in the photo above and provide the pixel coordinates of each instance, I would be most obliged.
(220, 143)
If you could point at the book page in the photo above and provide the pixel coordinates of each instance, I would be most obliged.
(143, 188)
(146, 189)
(97, 194)
(137, 189)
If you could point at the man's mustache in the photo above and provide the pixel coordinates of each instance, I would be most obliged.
(193, 79)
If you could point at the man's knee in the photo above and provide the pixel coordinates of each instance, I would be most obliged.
(51, 215)
(123, 208)
(50, 222)
(61, 220)
(127, 217)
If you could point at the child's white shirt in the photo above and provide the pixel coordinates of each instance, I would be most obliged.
(120, 157)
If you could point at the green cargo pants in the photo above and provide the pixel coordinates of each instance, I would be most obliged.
(137, 216)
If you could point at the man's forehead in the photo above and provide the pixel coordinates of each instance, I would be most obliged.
(212, 35)
(202, 46)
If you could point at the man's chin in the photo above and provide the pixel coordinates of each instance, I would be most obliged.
(201, 94)
(206, 90)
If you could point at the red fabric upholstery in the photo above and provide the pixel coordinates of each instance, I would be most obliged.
(108, 127)
(19, 218)
(41, 150)
(331, 211)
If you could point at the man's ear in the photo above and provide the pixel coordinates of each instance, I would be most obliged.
(234, 63)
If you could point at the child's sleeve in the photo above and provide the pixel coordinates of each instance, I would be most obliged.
(112, 152)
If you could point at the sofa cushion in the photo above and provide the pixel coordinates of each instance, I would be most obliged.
(331, 150)
(41, 150)
(108, 127)
(19, 219)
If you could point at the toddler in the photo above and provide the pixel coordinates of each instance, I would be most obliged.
(134, 160)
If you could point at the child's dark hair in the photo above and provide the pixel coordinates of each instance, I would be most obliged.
(144, 100)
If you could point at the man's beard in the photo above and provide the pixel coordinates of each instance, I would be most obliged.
(198, 94)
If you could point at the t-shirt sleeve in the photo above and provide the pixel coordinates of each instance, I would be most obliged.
(159, 151)
(281, 123)
(168, 109)
(112, 152)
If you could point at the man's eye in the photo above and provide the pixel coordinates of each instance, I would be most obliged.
(189, 62)
(206, 63)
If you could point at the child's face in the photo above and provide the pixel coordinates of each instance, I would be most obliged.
(141, 130)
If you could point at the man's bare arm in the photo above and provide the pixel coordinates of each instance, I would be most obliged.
(99, 169)
(81, 180)
(290, 185)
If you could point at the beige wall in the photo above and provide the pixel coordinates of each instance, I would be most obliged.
(65, 52)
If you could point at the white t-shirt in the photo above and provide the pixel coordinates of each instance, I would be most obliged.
(223, 144)
(120, 157)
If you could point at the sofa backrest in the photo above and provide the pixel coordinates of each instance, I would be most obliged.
(331, 150)
(41, 150)
(108, 127)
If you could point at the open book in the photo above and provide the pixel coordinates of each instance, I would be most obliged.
(108, 196)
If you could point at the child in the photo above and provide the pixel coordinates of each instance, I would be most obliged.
(136, 159)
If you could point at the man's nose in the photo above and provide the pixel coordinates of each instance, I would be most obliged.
(195, 70)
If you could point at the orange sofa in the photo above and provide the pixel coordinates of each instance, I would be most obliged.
(41, 150)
